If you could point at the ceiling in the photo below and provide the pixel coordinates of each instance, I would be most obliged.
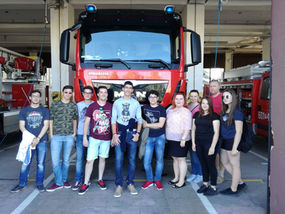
(244, 24)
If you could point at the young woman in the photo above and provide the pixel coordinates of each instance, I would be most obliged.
(178, 126)
(231, 131)
(196, 169)
(205, 135)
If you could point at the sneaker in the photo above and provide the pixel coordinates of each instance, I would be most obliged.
(228, 191)
(76, 186)
(132, 189)
(147, 184)
(83, 189)
(198, 179)
(241, 186)
(66, 185)
(211, 191)
(158, 185)
(118, 192)
(17, 189)
(102, 185)
(202, 189)
(41, 188)
(53, 188)
(220, 179)
(191, 178)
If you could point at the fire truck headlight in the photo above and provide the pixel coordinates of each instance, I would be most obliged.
(91, 8)
(169, 9)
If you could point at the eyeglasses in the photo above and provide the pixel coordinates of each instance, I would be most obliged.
(35, 96)
(226, 97)
(152, 97)
(68, 92)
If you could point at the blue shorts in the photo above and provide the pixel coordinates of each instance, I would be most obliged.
(98, 148)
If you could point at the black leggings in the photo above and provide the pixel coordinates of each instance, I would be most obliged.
(208, 162)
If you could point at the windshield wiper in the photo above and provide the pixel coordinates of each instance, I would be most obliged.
(114, 60)
(154, 60)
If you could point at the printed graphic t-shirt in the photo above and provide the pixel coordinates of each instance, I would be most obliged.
(82, 108)
(100, 121)
(152, 115)
(34, 120)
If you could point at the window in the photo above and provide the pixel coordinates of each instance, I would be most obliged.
(265, 89)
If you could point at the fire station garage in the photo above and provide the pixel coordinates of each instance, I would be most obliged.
(167, 46)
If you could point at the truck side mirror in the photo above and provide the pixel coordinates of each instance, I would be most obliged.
(64, 46)
(195, 48)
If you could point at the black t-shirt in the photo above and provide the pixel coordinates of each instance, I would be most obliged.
(204, 124)
(152, 115)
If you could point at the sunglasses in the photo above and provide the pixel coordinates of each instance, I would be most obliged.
(226, 97)
(101, 110)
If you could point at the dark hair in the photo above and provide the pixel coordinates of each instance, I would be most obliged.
(35, 91)
(233, 106)
(210, 103)
(88, 87)
(152, 92)
(128, 83)
(102, 87)
(67, 87)
(173, 99)
(195, 91)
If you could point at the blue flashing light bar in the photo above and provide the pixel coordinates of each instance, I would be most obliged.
(91, 8)
(169, 9)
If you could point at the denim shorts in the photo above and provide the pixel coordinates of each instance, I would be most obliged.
(98, 148)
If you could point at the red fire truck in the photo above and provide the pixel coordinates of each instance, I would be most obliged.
(143, 46)
(252, 84)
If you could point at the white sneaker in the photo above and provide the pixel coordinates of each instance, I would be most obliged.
(191, 178)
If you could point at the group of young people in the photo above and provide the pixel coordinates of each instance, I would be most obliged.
(99, 125)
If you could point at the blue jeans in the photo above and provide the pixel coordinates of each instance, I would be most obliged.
(41, 149)
(119, 157)
(80, 150)
(157, 143)
(195, 163)
(61, 170)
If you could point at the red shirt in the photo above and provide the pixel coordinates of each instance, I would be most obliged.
(217, 103)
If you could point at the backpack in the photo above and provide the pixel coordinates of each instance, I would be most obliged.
(246, 141)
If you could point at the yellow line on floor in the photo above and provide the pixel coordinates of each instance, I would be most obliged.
(252, 180)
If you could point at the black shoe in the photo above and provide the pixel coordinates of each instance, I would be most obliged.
(83, 189)
(228, 191)
(177, 187)
(172, 183)
(41, 188)
(17, 189)
(211, 191)
(241, 186)
(202, 189)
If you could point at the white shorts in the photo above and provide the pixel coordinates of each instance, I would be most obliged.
(98, 148)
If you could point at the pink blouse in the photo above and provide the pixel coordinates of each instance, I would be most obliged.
(196, 109)
(178, 120)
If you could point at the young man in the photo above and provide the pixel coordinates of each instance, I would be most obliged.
(154, 118)
(216, 96)
(63, 123)
(98, 115)
(34, 119)
(126, 114)
(82, 108)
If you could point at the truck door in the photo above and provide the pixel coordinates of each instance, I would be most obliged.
(263, 106)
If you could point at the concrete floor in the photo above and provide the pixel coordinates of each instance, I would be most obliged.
(150, 201)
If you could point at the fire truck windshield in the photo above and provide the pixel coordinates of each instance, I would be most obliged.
(127, 45)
